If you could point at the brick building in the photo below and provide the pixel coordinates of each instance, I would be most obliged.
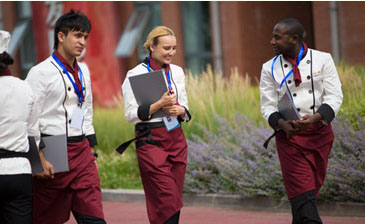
(224, 34)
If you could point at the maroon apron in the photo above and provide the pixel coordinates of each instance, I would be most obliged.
(77, 190)
(303, 158)
(162, 168)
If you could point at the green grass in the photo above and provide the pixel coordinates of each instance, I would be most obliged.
(208, 94)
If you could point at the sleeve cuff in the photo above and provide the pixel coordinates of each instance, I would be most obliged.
(144, 112)
(187, 116)
(274, 118)
(327, 113)
(92, 140)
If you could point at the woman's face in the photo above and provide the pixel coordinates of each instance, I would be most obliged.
(165, 49)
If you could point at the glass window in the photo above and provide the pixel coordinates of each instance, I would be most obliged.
(26, 46)
(153, 21)
(145, 16)
(196, 35)
(132, 32)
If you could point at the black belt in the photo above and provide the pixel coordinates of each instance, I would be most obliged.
(151, 125)
(144, 130)
(79, 138)
(11, 154)
(72, 139)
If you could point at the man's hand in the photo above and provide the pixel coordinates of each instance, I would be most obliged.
(48, 172)
(95, 161)
(307, 120)
(288, 128)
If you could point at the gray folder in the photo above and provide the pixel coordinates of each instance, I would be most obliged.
(287, 108)
(55, 152)
(148, 88)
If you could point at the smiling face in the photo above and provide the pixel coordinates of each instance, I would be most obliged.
(71, 45)
(165, 49)
(281, 41)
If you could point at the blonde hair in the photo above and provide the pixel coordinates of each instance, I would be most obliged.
(153, 36)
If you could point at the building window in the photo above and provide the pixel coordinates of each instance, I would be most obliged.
(22, 38)
(153, 21)
(196, 35)
(145, 16)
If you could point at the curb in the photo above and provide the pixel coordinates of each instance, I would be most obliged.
(234, 201)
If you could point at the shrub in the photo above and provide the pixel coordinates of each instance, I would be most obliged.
(234, 161)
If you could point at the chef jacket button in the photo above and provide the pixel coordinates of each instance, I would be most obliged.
(310, 91)
(69, 88)
(308, 77)
(294, 94)
(308, 61)
(298, 109)
(289, 81)
(69, 121)
(312, 107)
(285, 65)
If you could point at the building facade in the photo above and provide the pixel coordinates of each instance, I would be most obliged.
(225, 35)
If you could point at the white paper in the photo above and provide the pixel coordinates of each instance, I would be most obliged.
(77, 118)
(171, 122)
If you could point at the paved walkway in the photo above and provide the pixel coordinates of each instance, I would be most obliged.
(135, 213)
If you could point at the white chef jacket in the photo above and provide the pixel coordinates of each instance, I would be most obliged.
(18, 119)
(177, 83)
(317, 65)
(56, 99)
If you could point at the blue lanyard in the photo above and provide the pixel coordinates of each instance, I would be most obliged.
(168, 74)
(291, 71)
(78, 92)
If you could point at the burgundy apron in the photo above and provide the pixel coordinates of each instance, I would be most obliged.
(78, 189)
(162, 168)
(303, 158)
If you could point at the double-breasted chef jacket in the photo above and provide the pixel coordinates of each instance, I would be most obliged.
(320, 85)
(57, 99)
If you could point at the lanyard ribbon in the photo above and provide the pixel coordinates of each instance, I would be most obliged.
(167, 75)
(78, 91)
(291, 71)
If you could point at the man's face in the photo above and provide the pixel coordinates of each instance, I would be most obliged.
(281, 42)
(73, 43)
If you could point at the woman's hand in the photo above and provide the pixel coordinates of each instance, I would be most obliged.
(167, 100)
(174, 110)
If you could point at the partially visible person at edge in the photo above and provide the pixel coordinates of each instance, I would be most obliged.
(61, 88)
(18, 120)
(303, 145)
(162, 155)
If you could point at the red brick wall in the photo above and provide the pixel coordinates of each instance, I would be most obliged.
(322, 26)
(247, 30)
(352, 31)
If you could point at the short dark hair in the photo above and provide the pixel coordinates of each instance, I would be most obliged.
(5, 60)
(294, 27)
(71, 21)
